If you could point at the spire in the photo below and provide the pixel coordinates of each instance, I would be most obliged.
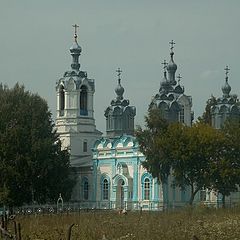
(119, 90)
(226, 89)
(75, 51)
(172, 67)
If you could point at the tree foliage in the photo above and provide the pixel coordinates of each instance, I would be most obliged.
(225, 170)
(192, 150)
(32, 164)
(151, 143)
(206, 117)
(198, 157)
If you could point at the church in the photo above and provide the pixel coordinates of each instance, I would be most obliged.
(108, 169)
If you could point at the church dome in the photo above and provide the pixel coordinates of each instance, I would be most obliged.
(75, 48)
(179, 89)
(172, 66)
(119, 90)
(226, 88)
(165, 85)
(164, 82)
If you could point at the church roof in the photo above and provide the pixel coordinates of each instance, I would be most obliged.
(123, 141)
(228, 103)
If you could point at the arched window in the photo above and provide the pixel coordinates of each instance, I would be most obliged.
(147, 184)
(181, 115)
(105, 188)
(146, 189)
(85, 146)
(61, 100)
(85, 189)
(83, 101)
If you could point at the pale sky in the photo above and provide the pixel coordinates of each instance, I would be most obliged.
(131, 34)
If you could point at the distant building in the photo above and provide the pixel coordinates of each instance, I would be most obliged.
(226, 107)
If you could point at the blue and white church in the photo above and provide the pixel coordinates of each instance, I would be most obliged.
(109, 169)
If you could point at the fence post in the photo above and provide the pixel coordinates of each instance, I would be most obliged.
(69, 232)
(15, 230)
(19, 232)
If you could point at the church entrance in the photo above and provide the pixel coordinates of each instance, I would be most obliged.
(120, 194)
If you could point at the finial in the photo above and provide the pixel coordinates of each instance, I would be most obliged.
(172, 45)
(226, 89)
(226, 72)
(75, 31)
(119, 71)
(164, 63)
(179, 78)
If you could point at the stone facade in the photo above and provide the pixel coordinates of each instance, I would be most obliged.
(75, 121)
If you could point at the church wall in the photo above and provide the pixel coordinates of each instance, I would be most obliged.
(187, 105)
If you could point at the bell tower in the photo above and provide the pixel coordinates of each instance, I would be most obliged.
(75, 121)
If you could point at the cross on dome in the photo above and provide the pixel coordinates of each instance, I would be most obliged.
(164, 63)
(227, 70)
(75, 31)
(179, 78)
(172, 45)
(119, 71)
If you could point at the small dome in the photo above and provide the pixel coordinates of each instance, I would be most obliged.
(226, 89)
(165, 85)
(172, 66)
(164, 82)
(75, 48)
(119, 90)
(179, 89)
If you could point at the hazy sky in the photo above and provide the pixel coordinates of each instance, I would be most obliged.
(130, 34)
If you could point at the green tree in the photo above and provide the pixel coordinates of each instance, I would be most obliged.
(206, 117)
(183, 151)
(192, 151)
(151, 143)
(32, 164)
(225, 169)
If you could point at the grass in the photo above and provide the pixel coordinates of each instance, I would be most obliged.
(180, 225)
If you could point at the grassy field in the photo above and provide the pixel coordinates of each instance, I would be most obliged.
(180, 225)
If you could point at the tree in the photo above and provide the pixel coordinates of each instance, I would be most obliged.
(225, 170)
(193, 149)
(206, 117)
(183, 151)
(151, 143)
(33, 167)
